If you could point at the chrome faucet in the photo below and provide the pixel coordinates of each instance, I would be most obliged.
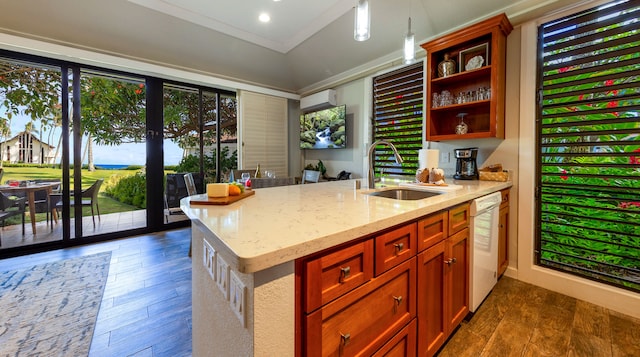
(371, 180)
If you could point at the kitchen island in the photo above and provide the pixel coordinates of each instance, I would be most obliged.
(244, 256)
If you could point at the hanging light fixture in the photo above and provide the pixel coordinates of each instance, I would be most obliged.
(409, 45)
(363, 20)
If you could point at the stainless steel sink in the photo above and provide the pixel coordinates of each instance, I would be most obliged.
(404, 194)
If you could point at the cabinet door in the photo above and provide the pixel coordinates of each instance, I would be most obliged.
(332, 275)
(503, 240)
(432, 229)
(503, 233)
(402, 344)
(456, 278)
(363, 320)
(431, 295)
(458, 218)
(394, 247)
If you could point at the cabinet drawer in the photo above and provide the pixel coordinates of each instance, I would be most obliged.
(394, 247)
(505, 198)
(333, 274)
(458, 218)
(402, 344)
(365, 319)
(432, 229)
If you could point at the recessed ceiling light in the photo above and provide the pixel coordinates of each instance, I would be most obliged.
(264, 17)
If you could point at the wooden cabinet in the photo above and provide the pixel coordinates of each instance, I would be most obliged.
(334, 274)
(400, 292)
(402, 344)
(503, 233)
(458, 218)
(476, 88)
(394, 247)
(432, 326)
(363, 320)
(432, 229)
(456, 279)
(443, 287)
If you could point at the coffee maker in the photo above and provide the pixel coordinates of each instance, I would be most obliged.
(466, 166)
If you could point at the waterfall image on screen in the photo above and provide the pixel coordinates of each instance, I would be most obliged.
(323, 129)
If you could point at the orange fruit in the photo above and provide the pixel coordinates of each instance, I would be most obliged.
(234, 190)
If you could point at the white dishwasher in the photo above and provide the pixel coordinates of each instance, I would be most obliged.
(483, 264)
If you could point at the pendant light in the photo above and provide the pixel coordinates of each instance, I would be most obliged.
(363, 20)
(409, 45)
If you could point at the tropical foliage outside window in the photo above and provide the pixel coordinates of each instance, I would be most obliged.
(113, 108)
(588, 194)
(397, 101)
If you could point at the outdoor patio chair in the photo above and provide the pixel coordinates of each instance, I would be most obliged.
(190, 184)
(42, 199)
(89, 198)
(11, 207)
(191, 190)
(174, 191)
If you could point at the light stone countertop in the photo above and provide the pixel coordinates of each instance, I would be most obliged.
(281, 224)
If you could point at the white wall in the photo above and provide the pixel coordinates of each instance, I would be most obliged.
(356, 96)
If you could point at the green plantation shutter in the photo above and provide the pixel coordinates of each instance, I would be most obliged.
(588, 194)
(397, 101)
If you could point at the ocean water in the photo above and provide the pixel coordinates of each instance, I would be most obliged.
(110, 166)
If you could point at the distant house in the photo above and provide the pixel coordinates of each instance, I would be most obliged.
(27, 148)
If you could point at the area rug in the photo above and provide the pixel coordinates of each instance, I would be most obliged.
(51, 309)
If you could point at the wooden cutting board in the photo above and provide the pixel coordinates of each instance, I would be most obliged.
(221, 200)
(428, 184)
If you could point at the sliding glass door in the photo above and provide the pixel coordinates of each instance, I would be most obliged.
(112, 154)
(87, 152)
(31, 111)
(193, 144)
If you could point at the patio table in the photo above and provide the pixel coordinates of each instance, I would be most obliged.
(29, 191)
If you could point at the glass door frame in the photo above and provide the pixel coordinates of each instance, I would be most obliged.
(70, 108)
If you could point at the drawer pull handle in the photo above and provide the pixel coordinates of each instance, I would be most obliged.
(399, 247)
(451, 261)
(398, 301)
(345, 338)
(344, 273)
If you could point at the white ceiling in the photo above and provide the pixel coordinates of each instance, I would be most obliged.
(292, 21)
(307, 43)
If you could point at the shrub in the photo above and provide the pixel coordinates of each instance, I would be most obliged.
(129, 189)
(191, 163)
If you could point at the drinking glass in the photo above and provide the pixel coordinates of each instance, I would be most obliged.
(245, 177)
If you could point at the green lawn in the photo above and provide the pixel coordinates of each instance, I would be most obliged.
(107, 204)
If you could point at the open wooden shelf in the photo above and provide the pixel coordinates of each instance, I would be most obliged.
(485, 117)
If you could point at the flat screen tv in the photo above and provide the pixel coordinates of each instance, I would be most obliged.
(324, 129)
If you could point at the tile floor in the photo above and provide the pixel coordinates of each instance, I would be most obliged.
(520, 319)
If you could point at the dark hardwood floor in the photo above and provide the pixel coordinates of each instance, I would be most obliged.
(146, 309)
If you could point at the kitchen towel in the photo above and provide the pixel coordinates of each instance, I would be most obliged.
(428, 158)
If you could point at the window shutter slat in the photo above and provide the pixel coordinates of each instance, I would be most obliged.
(398, 98)
(588, 159)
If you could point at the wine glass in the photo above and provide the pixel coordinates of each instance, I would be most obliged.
(245, 177)
(462, 128)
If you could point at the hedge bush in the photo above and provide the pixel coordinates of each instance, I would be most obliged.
(129, 189)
